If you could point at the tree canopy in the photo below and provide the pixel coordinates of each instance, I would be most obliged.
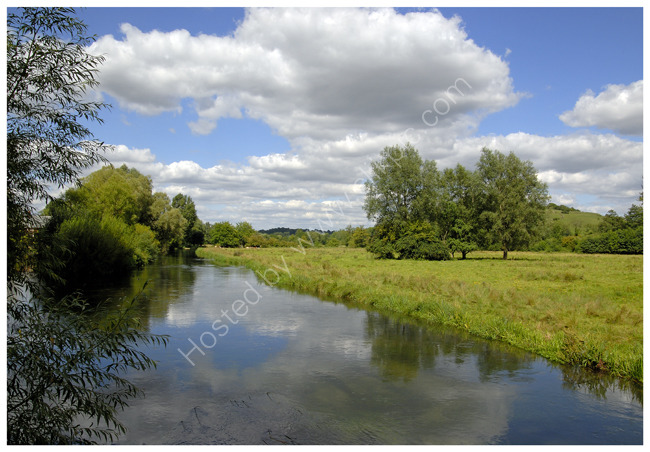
(513, 199)
(415, 205)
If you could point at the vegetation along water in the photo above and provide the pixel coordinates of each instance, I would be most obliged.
(570, 308)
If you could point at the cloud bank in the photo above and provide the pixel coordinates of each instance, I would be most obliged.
(339, 85)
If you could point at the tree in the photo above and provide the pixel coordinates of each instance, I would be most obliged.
(97, 230)
(170, 229)
(458, 209)
(122, 193)
(187, 208)
(48, 76)
(359, 238)
(395, 184)
(224, 234)
(513, 199)
(634, 216)
(168, 222)
(611, 222)
(196, 236)
(61, 367)
(245, 231)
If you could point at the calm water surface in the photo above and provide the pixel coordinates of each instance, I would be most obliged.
(284, 368)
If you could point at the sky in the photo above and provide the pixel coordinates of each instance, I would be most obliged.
(273, 115)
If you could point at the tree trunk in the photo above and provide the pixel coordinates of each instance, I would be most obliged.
(505, 253)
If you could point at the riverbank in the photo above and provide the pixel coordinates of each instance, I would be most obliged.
(569, 308)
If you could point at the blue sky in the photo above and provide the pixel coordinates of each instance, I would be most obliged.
(273, 116)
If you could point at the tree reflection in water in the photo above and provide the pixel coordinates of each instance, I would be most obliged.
(400, 348)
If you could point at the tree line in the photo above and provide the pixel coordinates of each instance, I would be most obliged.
(426, 213)
(110, 224)
(613, 234)
(242, 234)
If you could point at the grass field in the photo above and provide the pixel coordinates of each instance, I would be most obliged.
(570, 308)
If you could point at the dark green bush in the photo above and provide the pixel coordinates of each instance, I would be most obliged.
(419, 240)
(422, 246)
(383, 249)
(622, 241)
(86, 251)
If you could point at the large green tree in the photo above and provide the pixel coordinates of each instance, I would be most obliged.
(225, 234)
(395, 185)
(187, 208)
(168, 223)
(403, 197)
(513, 199)
(122, 193)
(61, 368)
(458, 211)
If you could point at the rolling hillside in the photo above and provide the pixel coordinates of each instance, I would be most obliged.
(574, 220)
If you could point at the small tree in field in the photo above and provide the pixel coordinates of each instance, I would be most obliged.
(513, 199)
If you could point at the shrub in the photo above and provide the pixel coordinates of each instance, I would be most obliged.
(622, 241)
(570, 242)
(383, 249)
(87, 251)
(421, 246)
(419, 241)
(144, 244)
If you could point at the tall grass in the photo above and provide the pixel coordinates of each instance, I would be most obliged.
(569, 308)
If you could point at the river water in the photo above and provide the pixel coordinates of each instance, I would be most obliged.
(247, 363)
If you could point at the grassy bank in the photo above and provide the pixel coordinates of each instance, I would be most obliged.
(570, 308)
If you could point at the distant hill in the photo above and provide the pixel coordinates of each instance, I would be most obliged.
(286, 232)
(574, 219)
(571, 218)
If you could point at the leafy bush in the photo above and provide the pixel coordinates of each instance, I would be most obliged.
(144, 244)
(421, 246)
(622, 241)
(225, 235)
(86, 251)
(418, 241)
(570, 242)
(383, 249)
(549, 245)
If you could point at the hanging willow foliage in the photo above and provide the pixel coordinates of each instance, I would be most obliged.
(65, 372)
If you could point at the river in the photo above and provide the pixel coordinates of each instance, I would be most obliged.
(247, 363)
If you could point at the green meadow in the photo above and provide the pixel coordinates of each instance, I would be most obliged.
(570, 308)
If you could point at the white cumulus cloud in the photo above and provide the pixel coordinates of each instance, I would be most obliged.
(319, 73)
(617, 107)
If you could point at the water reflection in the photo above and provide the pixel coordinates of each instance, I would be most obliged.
(156, 286)
(599, 385)
(296, 370)
(399, 349)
